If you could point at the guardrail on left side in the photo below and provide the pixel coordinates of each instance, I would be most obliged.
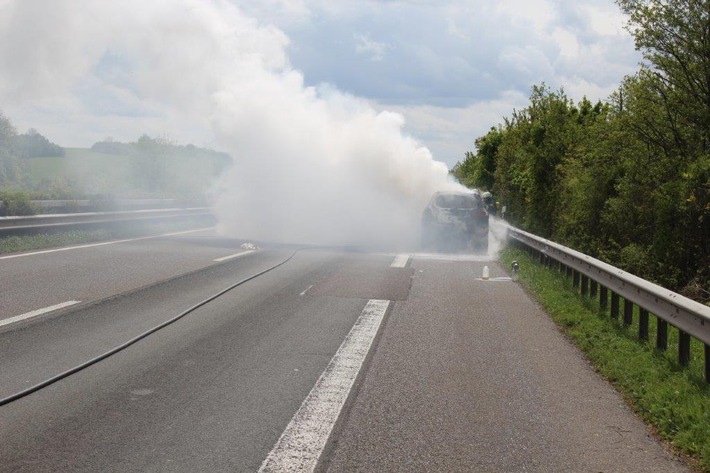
(54, 223)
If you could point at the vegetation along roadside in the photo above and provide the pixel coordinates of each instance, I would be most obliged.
(675, 401)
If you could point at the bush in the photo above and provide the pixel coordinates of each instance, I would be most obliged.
(15, 203)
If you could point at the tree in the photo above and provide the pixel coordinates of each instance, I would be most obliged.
(7, 135)
(674, 37)
(668, 105)
(478, 169)
(34, 145)
(535, 145)
(11, 170)
(151, 163)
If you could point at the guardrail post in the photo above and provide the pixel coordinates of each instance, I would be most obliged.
(707, 363)
(683, 348)
(569, 271)
(662, 335)
(585, 285)
(628, 312)
(643, 323)
(593, 285)
(575, 279)
(614, 305)
(603, 297)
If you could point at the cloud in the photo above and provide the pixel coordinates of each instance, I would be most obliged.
(450, 131)
(458, 52)
(537, 14)
(528, 63)
(364, 45)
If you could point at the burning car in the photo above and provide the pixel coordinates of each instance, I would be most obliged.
(455, 221)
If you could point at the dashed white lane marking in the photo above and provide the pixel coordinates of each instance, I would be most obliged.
(113, 242)
(37, 312)
(307, 289)
(400, 261)
(235, 255)
(304, 439)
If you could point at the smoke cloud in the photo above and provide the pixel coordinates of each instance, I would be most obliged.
(311, 165)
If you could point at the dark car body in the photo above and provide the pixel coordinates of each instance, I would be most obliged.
(455, 221)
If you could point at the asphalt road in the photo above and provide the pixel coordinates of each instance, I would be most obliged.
(462, 375)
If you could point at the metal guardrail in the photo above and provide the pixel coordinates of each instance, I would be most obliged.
(53, 223)
(593, 277)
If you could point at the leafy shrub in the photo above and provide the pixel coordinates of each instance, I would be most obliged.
(15, 203)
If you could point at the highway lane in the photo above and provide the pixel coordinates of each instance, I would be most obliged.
(211, 392)
(36, 280)
(33, 352)
(466, 375)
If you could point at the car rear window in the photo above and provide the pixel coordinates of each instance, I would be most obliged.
(457, 201)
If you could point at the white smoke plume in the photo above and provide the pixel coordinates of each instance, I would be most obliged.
(311, 165)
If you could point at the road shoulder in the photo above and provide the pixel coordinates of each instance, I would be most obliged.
(472, 375)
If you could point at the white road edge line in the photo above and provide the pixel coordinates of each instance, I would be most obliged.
(400, 261)
(37, 312)
(42, 252)
(235, 255)
(302, 443)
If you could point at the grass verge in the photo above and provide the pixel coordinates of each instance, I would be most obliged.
(674, 400)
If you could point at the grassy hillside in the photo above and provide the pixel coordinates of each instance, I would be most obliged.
(88, 172)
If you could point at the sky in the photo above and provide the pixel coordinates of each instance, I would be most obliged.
(453, 69)
(450, 69)
(342, 118)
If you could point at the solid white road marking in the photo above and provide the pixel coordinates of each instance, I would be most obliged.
(37, 312)
(235, 255)
(42, 252)
(453, 257)
(499, 279)
(304, 439)
(400, 261)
